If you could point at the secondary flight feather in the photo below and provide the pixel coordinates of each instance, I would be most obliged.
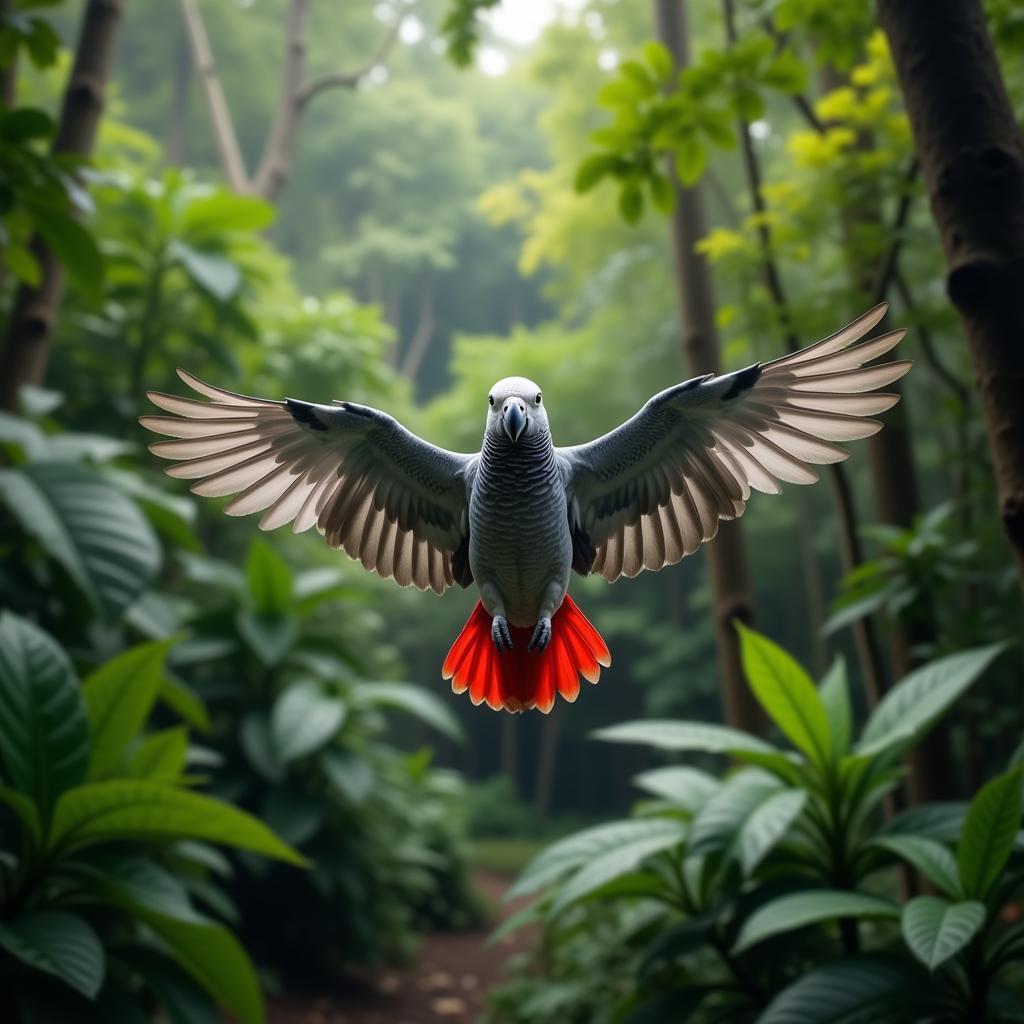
(518, 517)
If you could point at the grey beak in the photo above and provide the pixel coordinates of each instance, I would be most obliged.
(513, 418)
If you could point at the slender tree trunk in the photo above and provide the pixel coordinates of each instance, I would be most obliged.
(422, 336)
(972, 160)
(726, 555)
(29, 332)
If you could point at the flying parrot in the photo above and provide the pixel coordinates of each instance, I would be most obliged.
(519, 516)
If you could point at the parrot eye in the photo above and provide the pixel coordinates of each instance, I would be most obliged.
(537, 399)
(490, 400)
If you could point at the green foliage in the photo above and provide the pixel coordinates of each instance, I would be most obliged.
(91, 870)
(788, 849)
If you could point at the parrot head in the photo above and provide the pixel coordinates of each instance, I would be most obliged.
(515, 408)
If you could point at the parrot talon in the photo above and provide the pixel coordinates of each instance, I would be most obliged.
(541, 636)
(500, 633)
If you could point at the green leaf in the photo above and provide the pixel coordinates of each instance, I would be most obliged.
(185, 702)
(25, 810)
(119, 696)
(25, 123)
(615, 863)
(684, 787)
(22, 263)
(104, 812)
(522, 917)
(669, 735)
(691, 158)
(767, 825)
(989, 832)
(209, 217)
(719, 820)
(834, 692)
(269, 580)
(213, 272)
(44, 733)
(659, 59)
(350, 774)
(930, 857)
(914, 704)
(586, 846)
(804, 908)
(631, 202)
(74, 247)
(96, 534)
(936, 929)
(592, 170)
(663, 195)
(304, 718)
(254, 737)
(416, 701)
(786, 692)
(270, 637)
(857, 990)
(622, 92)
(60, 944)
(943, 821)
(161, 756)
(787, 73)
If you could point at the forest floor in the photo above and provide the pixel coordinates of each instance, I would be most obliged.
(448, 983)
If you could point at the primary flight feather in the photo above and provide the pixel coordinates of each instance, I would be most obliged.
(517, 517)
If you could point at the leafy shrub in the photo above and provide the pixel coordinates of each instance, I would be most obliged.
(786, 848)
(104, 846)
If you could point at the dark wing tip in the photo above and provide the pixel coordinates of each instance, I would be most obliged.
(742, 380)
(303, 412)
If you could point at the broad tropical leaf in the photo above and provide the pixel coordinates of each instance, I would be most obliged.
(859, 990)
(768, 824)
(941, 821)
(835, 698)
(119, 696)
(44, 733)
(786, 692)
(99, 537)
(719, 820)
(913, 705)
(161, 756)
(415, 700)
(684, 787)
(269, 580)
(58, 943)
(936, 929)
(804, 908)
(993, 821)
(184, 701)
(104, 812)
(669, 735)
(929, 856)
(304, 718)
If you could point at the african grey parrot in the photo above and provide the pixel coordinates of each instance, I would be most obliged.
(518, 516)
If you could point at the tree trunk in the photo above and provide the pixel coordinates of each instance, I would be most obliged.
(30, 329)
(726, 556)
(972, 161)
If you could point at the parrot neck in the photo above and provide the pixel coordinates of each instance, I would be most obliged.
(530, 450)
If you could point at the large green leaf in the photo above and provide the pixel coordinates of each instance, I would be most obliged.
(269, 580)
(835, 698)
(209, 217)
(161, 755)
(786, 692)
(989, 832)
(213, 272)
(25, 810)
(613, 864)
(803, 908)
(942, 821)
(767, 825)
(719, 820)
(913, 705)
(119, 696)
(684, 787)
(96, 534)
(415, 700)
(867, 989)
(930, 857)
(44, 732)
(669, 735)
(58, 943)
(936, 929)
(588, 845)
(304, 718)
(73, 247)
(184, 701)
(104, 812)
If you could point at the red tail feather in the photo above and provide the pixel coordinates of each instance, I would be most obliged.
(518, 680)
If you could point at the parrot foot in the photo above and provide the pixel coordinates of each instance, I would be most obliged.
(541, 636)
(500, 633)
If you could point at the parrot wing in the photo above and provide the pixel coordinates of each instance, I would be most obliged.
(654, 489)
(391, 500)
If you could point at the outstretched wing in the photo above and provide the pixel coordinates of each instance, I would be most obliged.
(388, 498)
(654, 489)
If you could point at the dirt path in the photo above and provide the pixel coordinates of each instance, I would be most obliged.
(448, 984)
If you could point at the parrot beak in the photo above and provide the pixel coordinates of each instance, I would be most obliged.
(513, 418)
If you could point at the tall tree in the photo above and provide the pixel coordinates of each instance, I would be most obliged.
(972, 161)
(726, 556)
(297, 91)
(26, 344)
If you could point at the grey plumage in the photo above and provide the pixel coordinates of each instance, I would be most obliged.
(516, 517)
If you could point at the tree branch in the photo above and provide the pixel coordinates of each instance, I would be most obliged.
(224, 136)
(889, 266)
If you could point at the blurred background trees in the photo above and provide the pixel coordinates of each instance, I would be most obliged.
(398, 204)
